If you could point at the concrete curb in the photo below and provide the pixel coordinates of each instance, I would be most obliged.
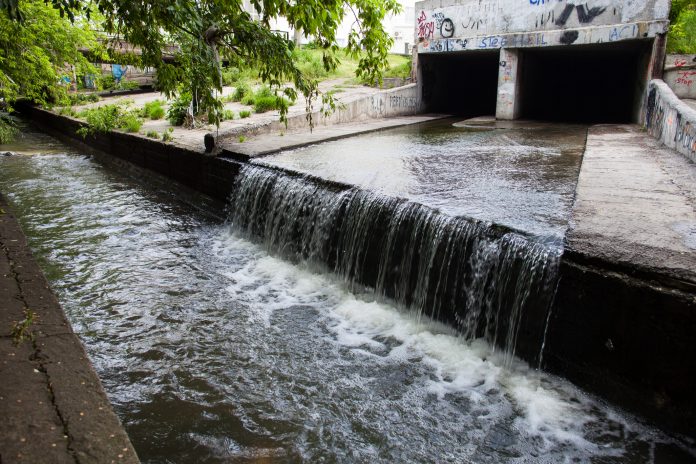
(53, 405)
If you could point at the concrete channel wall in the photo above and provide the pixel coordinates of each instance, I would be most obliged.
(680, 75)
(53, 408)
(207, 174)
(457, 25)
(398, 101)
(595, 298)
(670, 120)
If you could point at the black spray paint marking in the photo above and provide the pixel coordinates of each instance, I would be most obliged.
(585, 15)
(569, 37)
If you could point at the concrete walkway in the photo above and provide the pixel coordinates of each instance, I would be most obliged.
(52, 405)
(636, 205)
(255, 146)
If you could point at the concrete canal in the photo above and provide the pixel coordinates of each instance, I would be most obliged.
(278, 328)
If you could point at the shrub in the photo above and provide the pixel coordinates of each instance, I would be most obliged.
(103, 119)
(402, 70)
(242, 90)
(67, 111)
(227, 115)
(230, 75)
(107, 81)
(131, 122)
(310, 63)
(107, 118)
(244, 114)
(176, 114)
(273, 102)
(167, 136)
(153, 110)
(153, 134)
(128, 85)
(8, 130)
(81, 98)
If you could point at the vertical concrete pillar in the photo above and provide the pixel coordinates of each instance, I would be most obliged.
(508, 104)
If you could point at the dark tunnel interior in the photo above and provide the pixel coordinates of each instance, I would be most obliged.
(460, 83)
(586, 84)
(600, 83)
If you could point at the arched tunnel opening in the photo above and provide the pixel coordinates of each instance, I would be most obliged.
(460, 83)
(602, 83)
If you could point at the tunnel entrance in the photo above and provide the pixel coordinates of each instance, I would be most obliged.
(601, 83)
(462, 84)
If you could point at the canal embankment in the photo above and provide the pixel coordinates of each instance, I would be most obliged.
(52, 403)
(601, 300)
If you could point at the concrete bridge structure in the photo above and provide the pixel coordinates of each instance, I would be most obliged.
(569, 60)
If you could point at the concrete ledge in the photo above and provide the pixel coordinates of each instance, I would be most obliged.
(52, 404)
(272, 143)
(624, 317)
(670, 120)
(204, 173)
(628, 340)
(398, 101)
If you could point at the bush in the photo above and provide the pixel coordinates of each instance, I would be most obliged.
(81, 98)
(167, 136)
(67, 111)
(227, 115)
(230, 75)
(128, 85)
(310, 63)
(153, 110)
(269, 103)
(244, 114)
(130, 122)
(107, 118)
(8, 130)
(107, 81)
(402, 70)
(103, 119)
(242, 90)
(176, 114)
(153, 134)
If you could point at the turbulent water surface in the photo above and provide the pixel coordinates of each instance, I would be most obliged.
(213, 350)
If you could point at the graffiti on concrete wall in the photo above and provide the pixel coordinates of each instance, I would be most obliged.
(670, 120)
(396, 102)
(482, 23)
(680, 75)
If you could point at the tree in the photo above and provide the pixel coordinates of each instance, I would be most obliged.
(210, 31)
(35, 53)
(682, 31)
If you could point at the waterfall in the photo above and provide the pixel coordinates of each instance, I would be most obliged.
(486, 280)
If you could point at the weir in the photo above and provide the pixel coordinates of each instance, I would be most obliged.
(486, 280)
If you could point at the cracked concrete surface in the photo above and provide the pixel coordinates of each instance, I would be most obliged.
(52, 404)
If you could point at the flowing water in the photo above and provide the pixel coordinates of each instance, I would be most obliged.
(523, 175)
(214, 347)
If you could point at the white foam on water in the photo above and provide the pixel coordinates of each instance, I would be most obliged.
(551, 412)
